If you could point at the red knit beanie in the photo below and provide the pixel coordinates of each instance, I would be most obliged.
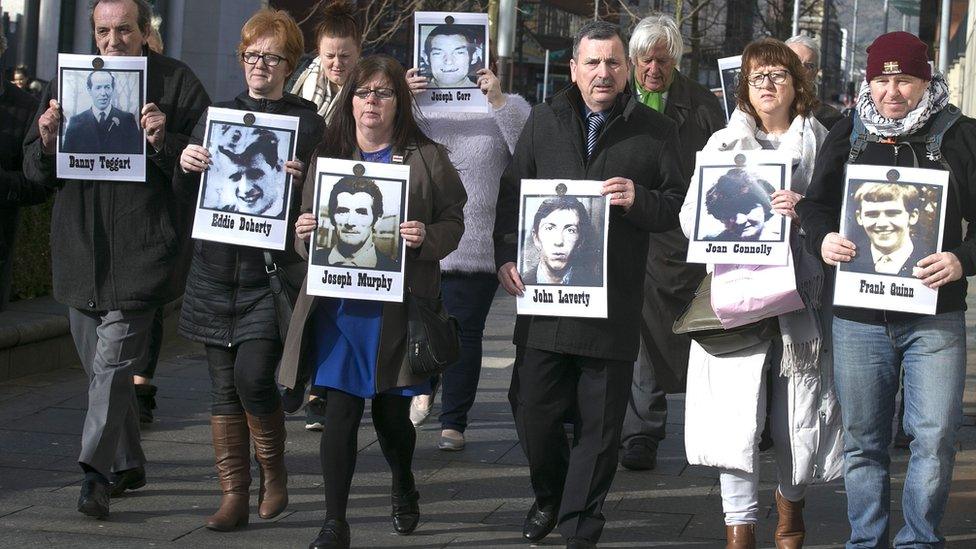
(898, 53)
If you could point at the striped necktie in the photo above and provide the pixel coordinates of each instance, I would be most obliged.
(594, 123)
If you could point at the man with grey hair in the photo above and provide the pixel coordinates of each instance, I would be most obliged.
(16, 109)
(669, 282)
(582, 367)
(808, 50)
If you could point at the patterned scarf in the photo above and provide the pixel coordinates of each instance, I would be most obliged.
(935, 98)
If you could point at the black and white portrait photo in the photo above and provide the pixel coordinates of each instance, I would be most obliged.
(450, 49)
(894, 218)
(244, 195)
(106, 116)
(735, 222)
(729, 69)
(562, 243)
(101, 102)
(359, 226)
(356, 251)
(248, 171)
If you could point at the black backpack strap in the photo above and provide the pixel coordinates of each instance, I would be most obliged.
(933, 143)
(860, 137)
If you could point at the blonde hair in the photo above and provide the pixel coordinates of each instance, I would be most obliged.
(277, 23)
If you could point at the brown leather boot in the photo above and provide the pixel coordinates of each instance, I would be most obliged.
(232, 453)
(790, 530)
(268, 434)
(740, 536)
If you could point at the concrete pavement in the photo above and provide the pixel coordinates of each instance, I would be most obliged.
(473, 498)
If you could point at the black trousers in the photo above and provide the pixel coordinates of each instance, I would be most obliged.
(337, 450)
(243, 378)
(546, 387)
(148, 368)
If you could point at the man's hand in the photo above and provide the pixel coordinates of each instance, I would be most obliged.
(621, 191)
(413, 233)
(154, 122)
(195, 158)
(48, 125)
(415, 82)
(510, 279)
(939, 269)
(837, 249)
(305, 225)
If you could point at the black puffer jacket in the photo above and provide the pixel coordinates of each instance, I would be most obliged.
(228, 299)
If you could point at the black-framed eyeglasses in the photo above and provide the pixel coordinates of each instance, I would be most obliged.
(382, 94)
(776, 77)
(270, 59)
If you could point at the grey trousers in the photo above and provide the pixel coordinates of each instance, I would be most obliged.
(647, 407)
(111, 345)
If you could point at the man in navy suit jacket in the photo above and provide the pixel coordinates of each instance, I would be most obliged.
(102, 128)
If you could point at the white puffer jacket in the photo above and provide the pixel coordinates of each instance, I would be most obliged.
(721, 427)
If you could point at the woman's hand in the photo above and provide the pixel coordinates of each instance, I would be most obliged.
(491, 87)
(837, 249)
(305, 226)
(195, 158)
(415, 82)
(48, 125)
(413, 232)
(296, 168)
(784, 202)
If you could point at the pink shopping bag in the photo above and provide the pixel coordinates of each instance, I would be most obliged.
(743, 294)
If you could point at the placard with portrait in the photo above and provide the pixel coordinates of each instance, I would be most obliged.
(894, 218)
(101, 137)
(562, 248)
(734, 218)
(729, 71)
(356, 251)
(449, 49)
(245, 194)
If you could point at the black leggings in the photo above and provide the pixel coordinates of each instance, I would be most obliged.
(337, 450)
(243, 378)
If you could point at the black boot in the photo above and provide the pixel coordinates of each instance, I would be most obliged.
(406, 512)
(333, 535)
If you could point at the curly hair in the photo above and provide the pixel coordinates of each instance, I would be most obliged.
(772, 52)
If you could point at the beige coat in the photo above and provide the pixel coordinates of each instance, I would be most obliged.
(437, 199)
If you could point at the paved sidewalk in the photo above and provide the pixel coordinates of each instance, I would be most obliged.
(474, 498)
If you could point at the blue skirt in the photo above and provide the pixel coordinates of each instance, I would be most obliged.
(347, 343)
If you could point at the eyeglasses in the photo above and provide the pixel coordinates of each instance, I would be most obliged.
(382, 94)
(810, 66)
(776, 77)
(270, 59)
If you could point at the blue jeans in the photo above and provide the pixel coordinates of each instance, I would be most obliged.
(468, 298)
(868, 362)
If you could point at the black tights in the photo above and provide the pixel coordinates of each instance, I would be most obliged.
(337, 450)
(243, 378)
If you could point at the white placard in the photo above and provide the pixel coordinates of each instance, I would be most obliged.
(101, 99)
(894, 218)
(356, 252)
(245, 195)
(729, 69)
(734, 219)
(563, 228)
(449, 48)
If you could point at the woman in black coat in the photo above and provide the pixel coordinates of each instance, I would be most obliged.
(229, 306)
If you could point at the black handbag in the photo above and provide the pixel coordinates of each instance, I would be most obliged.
(284, 290)
(700, 323)
(433, 336)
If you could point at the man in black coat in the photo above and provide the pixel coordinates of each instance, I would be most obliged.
(594, 130)
(669, 282)
(103, 128)
(16, 109)
(117, 249)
